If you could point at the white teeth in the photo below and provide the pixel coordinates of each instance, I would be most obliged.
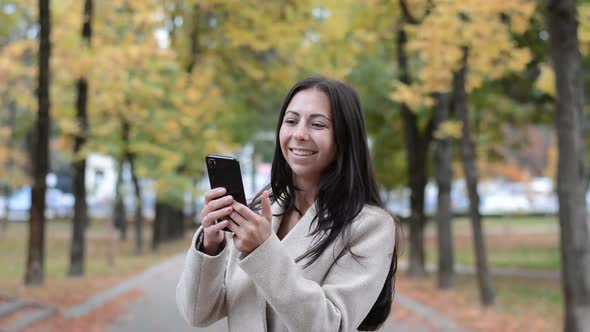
(302, 152)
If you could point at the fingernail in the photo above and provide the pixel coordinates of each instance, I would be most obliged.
(220, 189)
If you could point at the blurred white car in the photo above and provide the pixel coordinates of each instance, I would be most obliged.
(57, 204)
(504, 203)
(2, 207)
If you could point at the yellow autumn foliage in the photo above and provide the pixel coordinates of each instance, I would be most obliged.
(13, 162)
(449, 128)
(410, 96)
(584, 28)
(452, 25)
(546, 80)
(175, 116)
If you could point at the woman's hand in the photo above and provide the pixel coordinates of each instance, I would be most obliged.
(250, 229)
(216, 207)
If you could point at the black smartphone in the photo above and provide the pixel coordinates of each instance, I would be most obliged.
(224, 171)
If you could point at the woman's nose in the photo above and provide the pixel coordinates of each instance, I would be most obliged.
(300, 133)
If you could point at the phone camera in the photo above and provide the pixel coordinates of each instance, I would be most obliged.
(211, 163)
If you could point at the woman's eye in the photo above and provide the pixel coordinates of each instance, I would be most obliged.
(318, 125)
(289, 121)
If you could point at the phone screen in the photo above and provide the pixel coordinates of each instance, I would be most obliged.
(224, 171)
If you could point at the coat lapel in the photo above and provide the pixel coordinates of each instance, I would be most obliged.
(298, 240)
(296, 243)
(277, 217)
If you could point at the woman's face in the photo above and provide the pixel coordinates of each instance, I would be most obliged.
(307, 134)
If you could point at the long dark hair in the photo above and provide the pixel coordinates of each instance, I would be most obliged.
(346, 185)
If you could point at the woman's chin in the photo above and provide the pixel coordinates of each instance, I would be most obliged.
(303, 173)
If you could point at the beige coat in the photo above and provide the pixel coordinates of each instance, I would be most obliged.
(268, 291)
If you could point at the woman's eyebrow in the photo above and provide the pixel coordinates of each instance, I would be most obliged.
(318, 115)
(313, 115)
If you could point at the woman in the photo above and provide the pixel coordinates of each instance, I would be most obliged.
(321, 255)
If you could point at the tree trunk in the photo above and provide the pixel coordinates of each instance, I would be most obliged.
(119, 214)
(416, 157)
(169, 221)
(178, 230)
(35, 268)
(10, 164)
(416, 153)
(138, 210)
(572, 176)
(174, 12)
(80, 221)
(168, 224)
(468, 154)
(138, 216)
(159, 220)
(443, 158)
(194, 38)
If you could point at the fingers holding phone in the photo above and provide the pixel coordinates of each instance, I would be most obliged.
(225, 172)
(217, 207)
(250, 228)
(225, 178)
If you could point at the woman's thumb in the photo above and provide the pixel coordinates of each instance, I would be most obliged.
(266, 210)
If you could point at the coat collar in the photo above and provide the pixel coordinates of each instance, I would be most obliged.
(298, 240)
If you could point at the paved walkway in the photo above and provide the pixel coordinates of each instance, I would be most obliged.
(156, 310)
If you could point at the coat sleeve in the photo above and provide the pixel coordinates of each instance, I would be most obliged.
(200, 293)
(348, 291)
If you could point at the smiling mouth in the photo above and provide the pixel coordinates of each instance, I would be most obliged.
(302, 153)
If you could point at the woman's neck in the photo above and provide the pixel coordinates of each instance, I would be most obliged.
(305, 195)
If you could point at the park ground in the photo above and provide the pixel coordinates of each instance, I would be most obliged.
(522, 250)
